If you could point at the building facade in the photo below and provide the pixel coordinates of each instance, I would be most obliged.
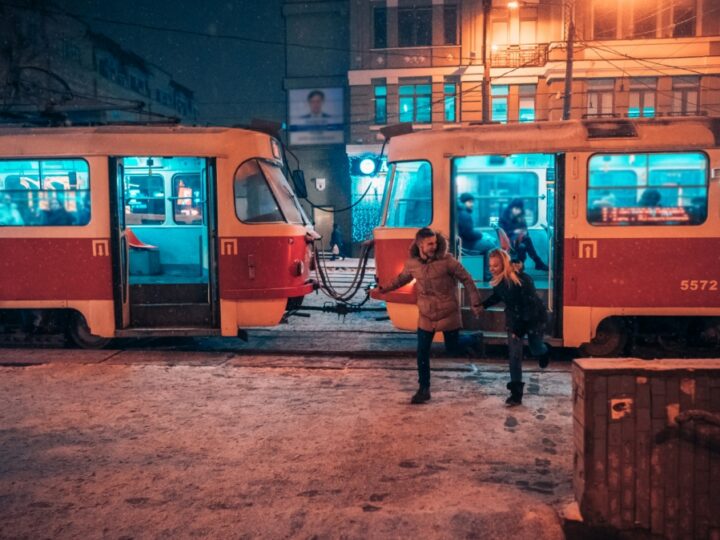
(55, 70)
(421, 61)
(316, 86)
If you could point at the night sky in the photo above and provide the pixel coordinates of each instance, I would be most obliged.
(233, 80)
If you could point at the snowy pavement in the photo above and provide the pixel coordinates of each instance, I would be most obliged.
(177, 444)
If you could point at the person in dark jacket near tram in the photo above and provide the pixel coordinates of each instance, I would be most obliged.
(525, 314)
(512, 221)
(436, 274)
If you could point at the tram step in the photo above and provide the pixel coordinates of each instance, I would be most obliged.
(169, 331)
(177, 293)
(170, 315)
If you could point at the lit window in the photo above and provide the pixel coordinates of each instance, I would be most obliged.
(415, 101)
(451, 99)
(145, 198)
(496, 180)
(647, 189)
(642, 97)
(527, 103)
(411, 195)
(380, 92)
(44, 193)
(188, 199)
(500, 103)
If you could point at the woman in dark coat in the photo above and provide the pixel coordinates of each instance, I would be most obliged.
(525, 314)
(512, 221)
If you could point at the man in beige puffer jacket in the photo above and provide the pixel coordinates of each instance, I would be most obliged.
(436, 274)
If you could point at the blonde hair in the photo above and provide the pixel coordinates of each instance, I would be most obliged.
(509, 274)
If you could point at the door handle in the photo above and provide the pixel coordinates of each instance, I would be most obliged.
(251, 266)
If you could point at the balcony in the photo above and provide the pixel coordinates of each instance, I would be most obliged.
(408, 57)
(513, 56)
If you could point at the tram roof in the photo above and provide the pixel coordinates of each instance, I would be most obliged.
(98, 140)
(554, 137)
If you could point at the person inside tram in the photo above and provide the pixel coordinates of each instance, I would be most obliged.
(697, 211)
(56, 214)
(512, 222)
(606, 199)
(9, 213)
(472, 237)
(650, 198)
(474, 242)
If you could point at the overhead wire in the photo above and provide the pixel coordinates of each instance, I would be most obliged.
(229, 37)
(640, 81)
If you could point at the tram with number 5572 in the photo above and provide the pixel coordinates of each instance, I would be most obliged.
(623, 216)
(147, 231)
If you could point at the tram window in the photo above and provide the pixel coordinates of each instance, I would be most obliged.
(494, 181)
(188, 199)
(44, 193)
(647, 189)
(254, 202)
(283, 192)
(411, 195)
(145, 199)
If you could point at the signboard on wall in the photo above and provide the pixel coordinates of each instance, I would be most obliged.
(316, 116)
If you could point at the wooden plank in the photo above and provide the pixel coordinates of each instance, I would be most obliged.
(643, 444)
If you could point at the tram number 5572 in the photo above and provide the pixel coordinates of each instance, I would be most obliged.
(699, 285)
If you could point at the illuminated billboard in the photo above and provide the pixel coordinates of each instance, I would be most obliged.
(316, 116)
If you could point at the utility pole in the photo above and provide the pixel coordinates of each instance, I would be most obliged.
(487, 6)
(567, 102)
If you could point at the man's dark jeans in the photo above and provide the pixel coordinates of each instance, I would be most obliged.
(454, 344)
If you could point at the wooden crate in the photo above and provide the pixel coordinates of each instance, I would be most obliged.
(647, 445)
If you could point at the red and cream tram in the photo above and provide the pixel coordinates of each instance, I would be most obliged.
(626, 214)
(148, 231)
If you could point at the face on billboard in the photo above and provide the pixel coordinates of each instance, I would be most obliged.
(316, 116)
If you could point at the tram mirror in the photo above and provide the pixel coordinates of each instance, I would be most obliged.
(298, 178)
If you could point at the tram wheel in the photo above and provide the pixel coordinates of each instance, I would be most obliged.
(610, 339)
(80, 335)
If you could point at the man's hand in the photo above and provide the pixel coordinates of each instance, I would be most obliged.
(476, 311)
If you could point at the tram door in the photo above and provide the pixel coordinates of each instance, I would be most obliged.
(505, 201)
(163, 240)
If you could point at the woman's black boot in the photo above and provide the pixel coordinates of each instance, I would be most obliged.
(516, 394)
